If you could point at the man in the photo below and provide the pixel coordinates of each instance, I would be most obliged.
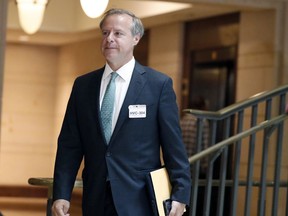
(145, 117)
(189, 128)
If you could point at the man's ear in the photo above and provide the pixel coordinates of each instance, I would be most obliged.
(136, 39)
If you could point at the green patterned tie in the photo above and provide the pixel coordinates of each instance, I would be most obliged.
(107, 107)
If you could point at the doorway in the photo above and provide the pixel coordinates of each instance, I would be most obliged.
(213, 78)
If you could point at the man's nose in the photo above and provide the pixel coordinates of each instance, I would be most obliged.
(110, 37)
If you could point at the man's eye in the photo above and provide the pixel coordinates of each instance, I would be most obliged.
(104, 33)
(118, 33)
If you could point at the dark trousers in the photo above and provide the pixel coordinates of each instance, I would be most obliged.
(109, 203)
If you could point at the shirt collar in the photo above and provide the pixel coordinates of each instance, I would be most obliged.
(125, 72)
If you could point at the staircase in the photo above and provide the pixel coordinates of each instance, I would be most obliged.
(247, 163)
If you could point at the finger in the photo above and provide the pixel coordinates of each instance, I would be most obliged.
(177, 209)
(172, 211)
(65, 210)
(58, 210)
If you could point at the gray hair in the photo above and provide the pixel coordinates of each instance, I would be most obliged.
(137, 26)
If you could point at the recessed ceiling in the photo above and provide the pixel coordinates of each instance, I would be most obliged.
(64, 21)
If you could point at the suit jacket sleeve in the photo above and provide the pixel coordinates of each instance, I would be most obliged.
(174, 153)
(69, 152)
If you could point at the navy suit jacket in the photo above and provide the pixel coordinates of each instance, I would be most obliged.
(133, 150)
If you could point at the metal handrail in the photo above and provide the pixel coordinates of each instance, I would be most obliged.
(220, 164)
(229, 110)
(238, 137)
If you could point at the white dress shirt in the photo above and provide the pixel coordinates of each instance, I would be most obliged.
(122, 84)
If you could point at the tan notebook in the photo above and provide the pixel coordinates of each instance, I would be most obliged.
(161, 187)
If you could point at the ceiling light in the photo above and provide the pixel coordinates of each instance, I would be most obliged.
(31, 13)
(94, 8)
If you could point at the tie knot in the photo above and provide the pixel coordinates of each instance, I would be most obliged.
(113, 76)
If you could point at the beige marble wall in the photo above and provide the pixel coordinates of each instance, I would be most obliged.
(165, 52)
(37, 85)
(27, 112)
(256, 54)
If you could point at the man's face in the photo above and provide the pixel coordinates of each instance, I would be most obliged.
(117, 40)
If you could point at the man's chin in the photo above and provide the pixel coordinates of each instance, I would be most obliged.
(110, 54)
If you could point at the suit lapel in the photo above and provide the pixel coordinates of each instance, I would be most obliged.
(136, 85)
(94, 96)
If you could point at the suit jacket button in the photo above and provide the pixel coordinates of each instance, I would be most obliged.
(108, 154)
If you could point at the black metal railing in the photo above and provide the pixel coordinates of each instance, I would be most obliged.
(247, 163)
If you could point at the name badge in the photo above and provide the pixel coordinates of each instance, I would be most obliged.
(137, 111)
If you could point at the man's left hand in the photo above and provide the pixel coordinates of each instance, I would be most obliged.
(177, 209)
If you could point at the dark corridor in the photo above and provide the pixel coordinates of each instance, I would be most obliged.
(213, 80)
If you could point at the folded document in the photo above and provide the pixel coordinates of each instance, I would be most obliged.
(160, 190)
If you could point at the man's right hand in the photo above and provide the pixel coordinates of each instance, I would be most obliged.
(60, 207)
